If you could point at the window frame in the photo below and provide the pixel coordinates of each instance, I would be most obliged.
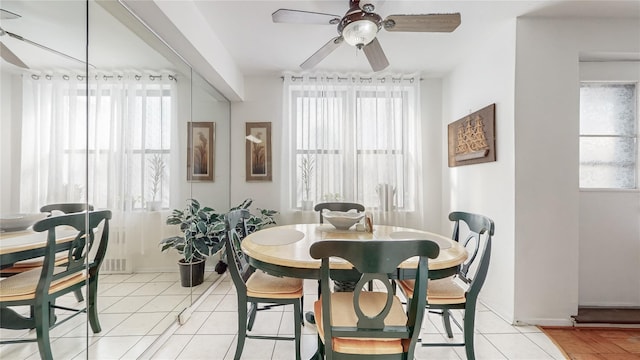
(634, 137)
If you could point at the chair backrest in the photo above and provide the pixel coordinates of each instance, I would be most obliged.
(82, 254)
(375, 260)
(67, 208)
(337, 206)
(235, 222)
(477, 241)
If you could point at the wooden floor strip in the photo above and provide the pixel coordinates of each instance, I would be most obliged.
(578, 343)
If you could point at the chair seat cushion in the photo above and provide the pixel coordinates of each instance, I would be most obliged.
(344, 315)
(261, 284)
(26, 265)
(440, 291)
(23, 286)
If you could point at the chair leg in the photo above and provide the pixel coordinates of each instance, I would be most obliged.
(469, 320)
(42, 317)
(297, 312)
(446, 321)
(92, 305)
(242, 327)
(78, 294)
(252, 316)
(301, 308)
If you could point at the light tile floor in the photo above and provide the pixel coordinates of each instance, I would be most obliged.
(135, 309)
(138, 316)
(211, 332)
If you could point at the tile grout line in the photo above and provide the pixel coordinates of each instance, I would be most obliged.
(166, 335)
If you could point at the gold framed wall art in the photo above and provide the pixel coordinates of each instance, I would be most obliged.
(258, 151)
(200, 151)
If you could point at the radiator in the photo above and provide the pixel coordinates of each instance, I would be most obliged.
(116, 261)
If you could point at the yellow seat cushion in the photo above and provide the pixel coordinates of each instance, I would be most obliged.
(440, 291)
(343, 314)
(261, 284)
(23, 286)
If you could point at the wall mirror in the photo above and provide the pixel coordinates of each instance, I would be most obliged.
(118, 102)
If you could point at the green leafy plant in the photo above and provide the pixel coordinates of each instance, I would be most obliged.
(203, 229)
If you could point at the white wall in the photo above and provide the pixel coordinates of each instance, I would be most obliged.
(609, 222)
(262, 103)
(9, 138)
(486, 188)
(431, 112)
(546, 173)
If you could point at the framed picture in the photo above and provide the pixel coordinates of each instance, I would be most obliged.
(258, 161)
(472, 139)
(200, 152)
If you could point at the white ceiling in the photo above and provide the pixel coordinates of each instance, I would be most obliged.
(260, 46)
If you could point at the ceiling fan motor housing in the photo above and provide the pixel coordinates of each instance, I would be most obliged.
(359, 28)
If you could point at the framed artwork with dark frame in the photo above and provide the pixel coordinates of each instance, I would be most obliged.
(472, 139)
(200, 151)
(258, 151)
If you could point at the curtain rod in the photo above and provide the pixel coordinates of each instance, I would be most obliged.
(353, 78)
(105, 77)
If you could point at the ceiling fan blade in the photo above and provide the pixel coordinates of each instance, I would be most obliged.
(18, 37)
(10, 57)
(376, 55)
(422, 23)
(322, 53)
(6, 14)
(304, 17)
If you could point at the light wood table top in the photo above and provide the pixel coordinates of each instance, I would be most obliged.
(20, 245)
(288, 246)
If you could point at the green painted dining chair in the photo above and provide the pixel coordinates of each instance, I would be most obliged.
(337, 206)
(61, 258)
(460, 291)
(370, 324)
(257, 287)
(39, 288)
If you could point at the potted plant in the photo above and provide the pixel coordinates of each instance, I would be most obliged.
(306, 170)
(156, 167)
(203, 232)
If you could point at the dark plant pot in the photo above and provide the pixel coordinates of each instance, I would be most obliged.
(191, 274)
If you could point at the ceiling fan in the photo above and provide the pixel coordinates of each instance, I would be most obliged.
(359, 27)
(10, 56)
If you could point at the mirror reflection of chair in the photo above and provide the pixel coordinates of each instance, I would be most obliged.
(66, 208)
(460, 291)
(39, 288)
(257, 287)
(337, 206)
(61, 258)
(370, 324)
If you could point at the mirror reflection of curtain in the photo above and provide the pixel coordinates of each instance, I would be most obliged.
(131, 117)
(361, 136)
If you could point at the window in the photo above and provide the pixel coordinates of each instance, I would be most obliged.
(354, 139)
(608, 135)
(129, 126)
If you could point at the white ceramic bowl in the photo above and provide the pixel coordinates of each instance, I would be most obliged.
(342, 220)
(16, 222)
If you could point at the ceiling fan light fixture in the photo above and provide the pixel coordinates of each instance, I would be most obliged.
(360, 33)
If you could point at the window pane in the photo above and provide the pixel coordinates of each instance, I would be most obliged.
(608, 109)
(607, 162)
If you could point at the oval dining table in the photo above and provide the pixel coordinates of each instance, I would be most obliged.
(28, 244)
(284, 250)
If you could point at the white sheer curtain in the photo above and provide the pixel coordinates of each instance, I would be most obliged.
(361, 134)
(130, 121)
